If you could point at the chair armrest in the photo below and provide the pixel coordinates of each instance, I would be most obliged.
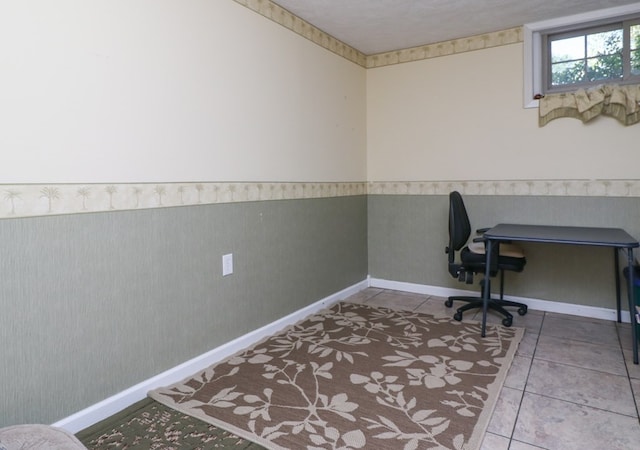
(481, 232)
(481, 238)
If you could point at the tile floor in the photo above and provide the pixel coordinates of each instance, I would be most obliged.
(571, 385)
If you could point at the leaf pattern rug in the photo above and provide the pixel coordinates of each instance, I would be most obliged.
(357, 377)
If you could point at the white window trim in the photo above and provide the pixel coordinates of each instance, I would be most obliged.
(533, 43)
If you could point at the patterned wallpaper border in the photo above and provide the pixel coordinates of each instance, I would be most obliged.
(28, 200)
(467, 44)
(568, 188)
(299, 26)
(31, 200)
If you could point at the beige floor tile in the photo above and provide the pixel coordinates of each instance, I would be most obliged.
(363, 295)
(588, 330)
(557, 425)
(574, 317)
(397, 300)
(594, 409)
(604, 358)
(492, 316)
(624, 334)
(528, 344)
(517, 445)
(532, 320)
(494, 442)
(633, 369)
(505, 413)
(582, 386)
(436, 307)
(635, 386)
(518, 372)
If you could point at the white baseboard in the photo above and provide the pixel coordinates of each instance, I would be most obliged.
(118, 402)
(535, 304)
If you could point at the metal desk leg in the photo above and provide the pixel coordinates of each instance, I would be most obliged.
(486, 289)
(632, 306)
(617, 269)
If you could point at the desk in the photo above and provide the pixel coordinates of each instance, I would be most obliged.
(615, 238)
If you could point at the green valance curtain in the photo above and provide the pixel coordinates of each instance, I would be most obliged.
(620, 102)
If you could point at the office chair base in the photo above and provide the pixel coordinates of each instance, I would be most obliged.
(494, 304)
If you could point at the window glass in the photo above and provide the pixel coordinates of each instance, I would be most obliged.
(635, 49)
(567, 49)
(564, 73)
(605, 43)
(589, 57)
(581, 51)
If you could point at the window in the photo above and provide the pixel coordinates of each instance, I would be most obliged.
(580, 51)
(590, 56)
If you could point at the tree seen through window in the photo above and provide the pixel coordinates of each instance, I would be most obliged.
(594, 56)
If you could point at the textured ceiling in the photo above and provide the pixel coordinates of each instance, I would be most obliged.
(377, 26)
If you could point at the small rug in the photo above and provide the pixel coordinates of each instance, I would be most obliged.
(150, 425)
(357, 377)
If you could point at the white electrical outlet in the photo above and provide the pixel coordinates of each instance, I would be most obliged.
(227, 264)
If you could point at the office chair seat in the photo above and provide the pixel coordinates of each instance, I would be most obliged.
(507, 250)
(473, 261)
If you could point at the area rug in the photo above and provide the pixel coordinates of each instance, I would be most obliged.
(150, 425)
(357, 377)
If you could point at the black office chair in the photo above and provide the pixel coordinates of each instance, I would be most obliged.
(473, 261)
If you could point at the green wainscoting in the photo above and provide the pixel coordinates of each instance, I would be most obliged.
(92, 304)
(408, 235)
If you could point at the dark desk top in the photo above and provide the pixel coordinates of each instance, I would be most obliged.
(605, 237)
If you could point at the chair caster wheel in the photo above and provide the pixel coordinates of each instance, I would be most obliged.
(448, 303)
(458, 316)
(522, 310)
(507, 322)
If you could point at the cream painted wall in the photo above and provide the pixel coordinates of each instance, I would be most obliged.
(461, 117)
(165, 90)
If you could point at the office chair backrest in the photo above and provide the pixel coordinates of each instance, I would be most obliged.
(459, 226)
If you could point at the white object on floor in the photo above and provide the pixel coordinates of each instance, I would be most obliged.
(38, 437)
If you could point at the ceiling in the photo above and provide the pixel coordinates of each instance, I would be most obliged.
(378, 26)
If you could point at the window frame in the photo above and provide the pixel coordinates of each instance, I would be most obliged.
(535, 41)
(548, 37)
